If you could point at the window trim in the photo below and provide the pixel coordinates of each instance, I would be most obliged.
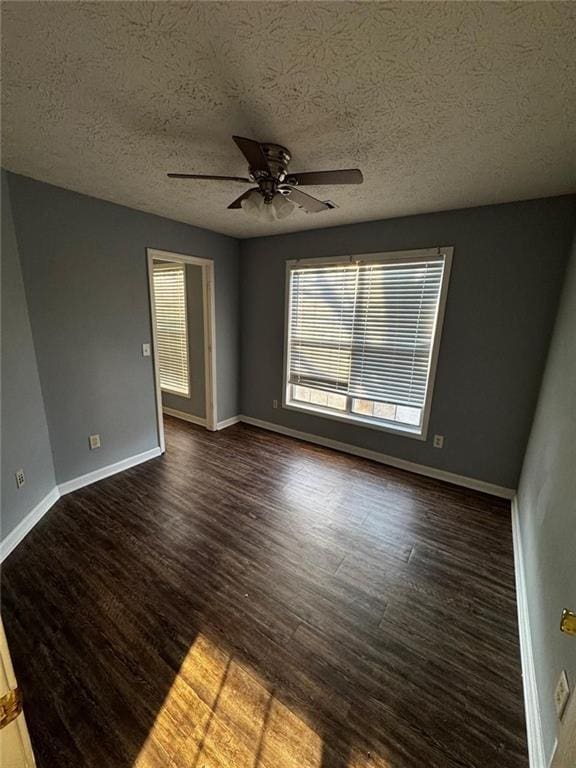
(423, 254)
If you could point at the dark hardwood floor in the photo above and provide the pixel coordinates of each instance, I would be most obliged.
(250, 601)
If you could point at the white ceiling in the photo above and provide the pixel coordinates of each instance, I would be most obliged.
(442, 105)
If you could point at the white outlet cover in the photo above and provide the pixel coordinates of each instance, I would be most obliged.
(20, 478)
(561, 694)
(438, 441)
(94, 441)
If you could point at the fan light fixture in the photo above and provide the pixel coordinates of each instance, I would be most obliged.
(256, 205)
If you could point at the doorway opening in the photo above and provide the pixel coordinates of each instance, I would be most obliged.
(183, 338)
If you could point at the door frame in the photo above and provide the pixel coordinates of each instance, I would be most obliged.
(14, 737)
(209, 313)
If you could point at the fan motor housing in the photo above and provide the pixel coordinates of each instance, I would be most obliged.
(278, 158)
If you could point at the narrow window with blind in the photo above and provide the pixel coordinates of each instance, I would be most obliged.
(362, 337)
(172, 327)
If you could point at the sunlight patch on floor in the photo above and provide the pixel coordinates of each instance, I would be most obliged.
(217, 715)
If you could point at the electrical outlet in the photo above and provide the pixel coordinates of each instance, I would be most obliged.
(561, 694)
(274, 403)
(20, 478)
(145, 350)
(438, 441)
(94, 441)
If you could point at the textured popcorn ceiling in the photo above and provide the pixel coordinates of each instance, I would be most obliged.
(442, 105)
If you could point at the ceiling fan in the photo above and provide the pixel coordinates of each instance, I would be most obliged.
(277, 192)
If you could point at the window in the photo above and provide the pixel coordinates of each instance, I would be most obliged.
(172, 327)
(362, 336)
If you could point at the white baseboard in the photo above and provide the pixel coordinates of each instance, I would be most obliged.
(111, 469)
(185, 416)
(22, 529)
(382, 458)
(536, 754)
(228, 422)
(199, 421)
(25, 526)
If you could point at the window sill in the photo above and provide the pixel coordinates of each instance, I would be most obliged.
(175, 394)
(359, 421)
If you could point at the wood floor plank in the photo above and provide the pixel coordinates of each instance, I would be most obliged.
(252, 601)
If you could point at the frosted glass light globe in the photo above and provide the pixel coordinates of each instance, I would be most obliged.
(253, 204)
(258, 208)
(282, 206)
(268, 212)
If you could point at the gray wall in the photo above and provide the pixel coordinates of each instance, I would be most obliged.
(547, 509)
(84, 266)
(25, 441)
(507, 272)
(196, 403)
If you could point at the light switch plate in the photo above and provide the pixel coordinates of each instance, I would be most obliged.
(145, 350)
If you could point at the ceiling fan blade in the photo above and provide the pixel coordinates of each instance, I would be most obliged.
(254, 153)
(212, 178)
(347, 176)
(307, 202)
(238, 202)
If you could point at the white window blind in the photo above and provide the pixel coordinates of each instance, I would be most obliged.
(365, 330)
(172, 327)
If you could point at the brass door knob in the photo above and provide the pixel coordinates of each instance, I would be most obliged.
(568, 622)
